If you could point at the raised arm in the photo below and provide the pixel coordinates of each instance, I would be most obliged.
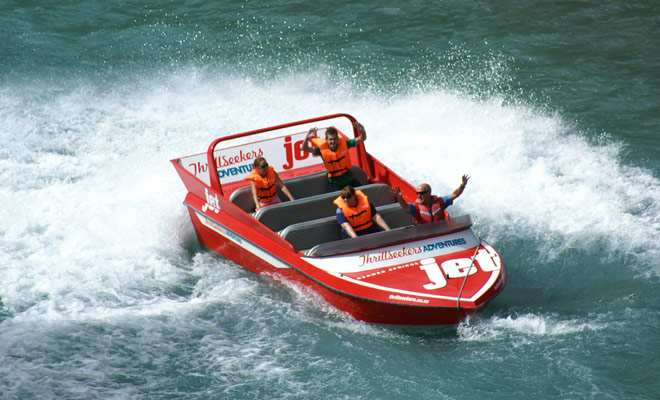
(363, 133)
(305, 146)
(396, 192)
(460, 189)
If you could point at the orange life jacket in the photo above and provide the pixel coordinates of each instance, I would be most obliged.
(436, 213)
(359, 216)
(266, 185)
(337, 162)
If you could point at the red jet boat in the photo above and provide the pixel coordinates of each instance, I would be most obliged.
(430, 274)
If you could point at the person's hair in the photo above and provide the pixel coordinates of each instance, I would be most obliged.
(347, 191)
(331, 131)
(258, 161)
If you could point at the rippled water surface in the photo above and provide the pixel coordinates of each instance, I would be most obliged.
(550, 106)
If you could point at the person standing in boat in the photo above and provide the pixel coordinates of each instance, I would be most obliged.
(334, 151)
(427, 207)
(356, 215)
(264, 182)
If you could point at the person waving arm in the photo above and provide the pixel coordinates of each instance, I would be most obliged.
(459, 190)
(363, 133)
(305, 146)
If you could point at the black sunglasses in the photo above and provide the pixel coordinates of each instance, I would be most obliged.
(262, 166)
(422, 192)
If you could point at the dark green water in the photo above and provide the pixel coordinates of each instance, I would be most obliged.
(551, 107)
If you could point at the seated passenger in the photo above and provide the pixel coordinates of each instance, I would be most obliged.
(334, 151)
(429, 208)
(264, 182)
(356, 215)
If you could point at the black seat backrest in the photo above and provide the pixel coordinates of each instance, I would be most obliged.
(395, 216)
(395, 235)
(299, 186)
(359, 175)
(278, 216)
(306, 235)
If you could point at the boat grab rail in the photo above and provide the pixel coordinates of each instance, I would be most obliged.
(460, 292)
(213, 167)
(386, 238)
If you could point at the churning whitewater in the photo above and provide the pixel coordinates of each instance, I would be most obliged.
(551, 108)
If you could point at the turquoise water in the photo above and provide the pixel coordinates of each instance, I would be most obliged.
(550, 106)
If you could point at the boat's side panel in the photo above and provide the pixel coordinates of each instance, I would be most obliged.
(235, 248)
(229, 244)
(395, 314)
(382, 174)
(364, 290)
(348, 294)
(222, 218)
(432, 272)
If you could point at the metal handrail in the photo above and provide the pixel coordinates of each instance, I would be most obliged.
(213, 167)
(458, 299)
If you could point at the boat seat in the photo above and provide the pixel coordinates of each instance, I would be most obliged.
(305, 235)
(395, 235)
(395, 216)
(299, 186)
(359, 175)
(279, 216)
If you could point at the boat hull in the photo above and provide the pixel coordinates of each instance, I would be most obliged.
(289, 266)
(433, 274)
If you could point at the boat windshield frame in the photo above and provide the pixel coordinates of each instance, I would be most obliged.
(214, 179)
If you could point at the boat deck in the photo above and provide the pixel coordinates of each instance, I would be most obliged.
(309, 220)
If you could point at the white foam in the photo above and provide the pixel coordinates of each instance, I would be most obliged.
(532, 173)
(524, 327)
(93, 220)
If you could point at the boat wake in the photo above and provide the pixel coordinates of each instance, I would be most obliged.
(94, 223)
(531, 326)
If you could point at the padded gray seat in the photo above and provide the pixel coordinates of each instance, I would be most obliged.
(306, 235)
(299, 186)
(278, 216)
(396, 235)
(395, 216)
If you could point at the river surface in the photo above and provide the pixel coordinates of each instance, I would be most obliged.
(551, 106)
